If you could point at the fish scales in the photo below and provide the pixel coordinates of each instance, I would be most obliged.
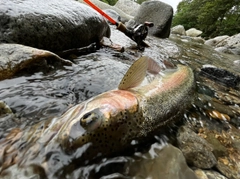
(100, 126)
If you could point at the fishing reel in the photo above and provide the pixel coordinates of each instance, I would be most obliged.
(138, 33)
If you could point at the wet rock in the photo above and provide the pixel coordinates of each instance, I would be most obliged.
(233, 41)
(218, 149)
(220, 75)
(4, 109)
(157, 12)
(128, 6)
(15, 59)
(193, 32)
(52, 25)
(216, 40)
(179, 29)
(113, 14)
(229, 168)
(208, 174)
(231, 44)
(124, 16)
(167, 163)
(196, 150)
(227, 148)
(237, 62)
(222, 50)
(198, 40)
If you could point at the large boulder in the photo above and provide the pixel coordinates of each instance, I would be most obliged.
(128, 6)
(157, 12)
(53, 25)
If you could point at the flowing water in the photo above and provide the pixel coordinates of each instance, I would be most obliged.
(40, 96)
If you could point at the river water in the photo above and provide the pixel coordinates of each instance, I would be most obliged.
(40, 96)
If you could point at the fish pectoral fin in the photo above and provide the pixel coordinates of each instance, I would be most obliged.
(137, 72)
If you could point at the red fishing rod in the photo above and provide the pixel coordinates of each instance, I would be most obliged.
(137, 34)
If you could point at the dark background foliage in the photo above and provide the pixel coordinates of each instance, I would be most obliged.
(213, 17)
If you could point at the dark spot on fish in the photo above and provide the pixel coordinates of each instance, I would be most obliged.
(130, 130)
(83, 140)
(129, 123)
(105, 128)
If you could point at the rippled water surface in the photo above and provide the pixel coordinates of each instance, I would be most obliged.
(41, 96)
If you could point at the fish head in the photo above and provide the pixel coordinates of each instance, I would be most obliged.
(99, 119)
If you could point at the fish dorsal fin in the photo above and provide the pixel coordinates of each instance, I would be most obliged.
(137, 72)
(153, 67)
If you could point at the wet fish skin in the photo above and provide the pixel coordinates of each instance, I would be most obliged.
(133, 114)
(125, 115)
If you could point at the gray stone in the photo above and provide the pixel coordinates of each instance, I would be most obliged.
(4, 109)
(179, 29)
(228, 50)
(50, 24)
(193, 32)
(167, 163)
(15, 58)
(222, 49)
(216, 40)
(233, 41)
(128, 6)
(237, 62)
(103, 6)
(195, 149)
(230, 171)
(208, 174)
(157, 12)
(113, 14)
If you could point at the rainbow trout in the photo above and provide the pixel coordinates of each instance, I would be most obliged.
(104, 124)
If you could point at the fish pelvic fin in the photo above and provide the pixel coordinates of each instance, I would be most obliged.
(137, 72)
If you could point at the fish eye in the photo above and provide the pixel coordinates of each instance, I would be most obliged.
(87, 115)
(91, 120)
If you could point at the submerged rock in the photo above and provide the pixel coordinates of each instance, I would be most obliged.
(15, 59)
(158, 162)
(196, 150)
(208, 174)
(220, 75)
(52, 25)
(4, 109)
(157, 12)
